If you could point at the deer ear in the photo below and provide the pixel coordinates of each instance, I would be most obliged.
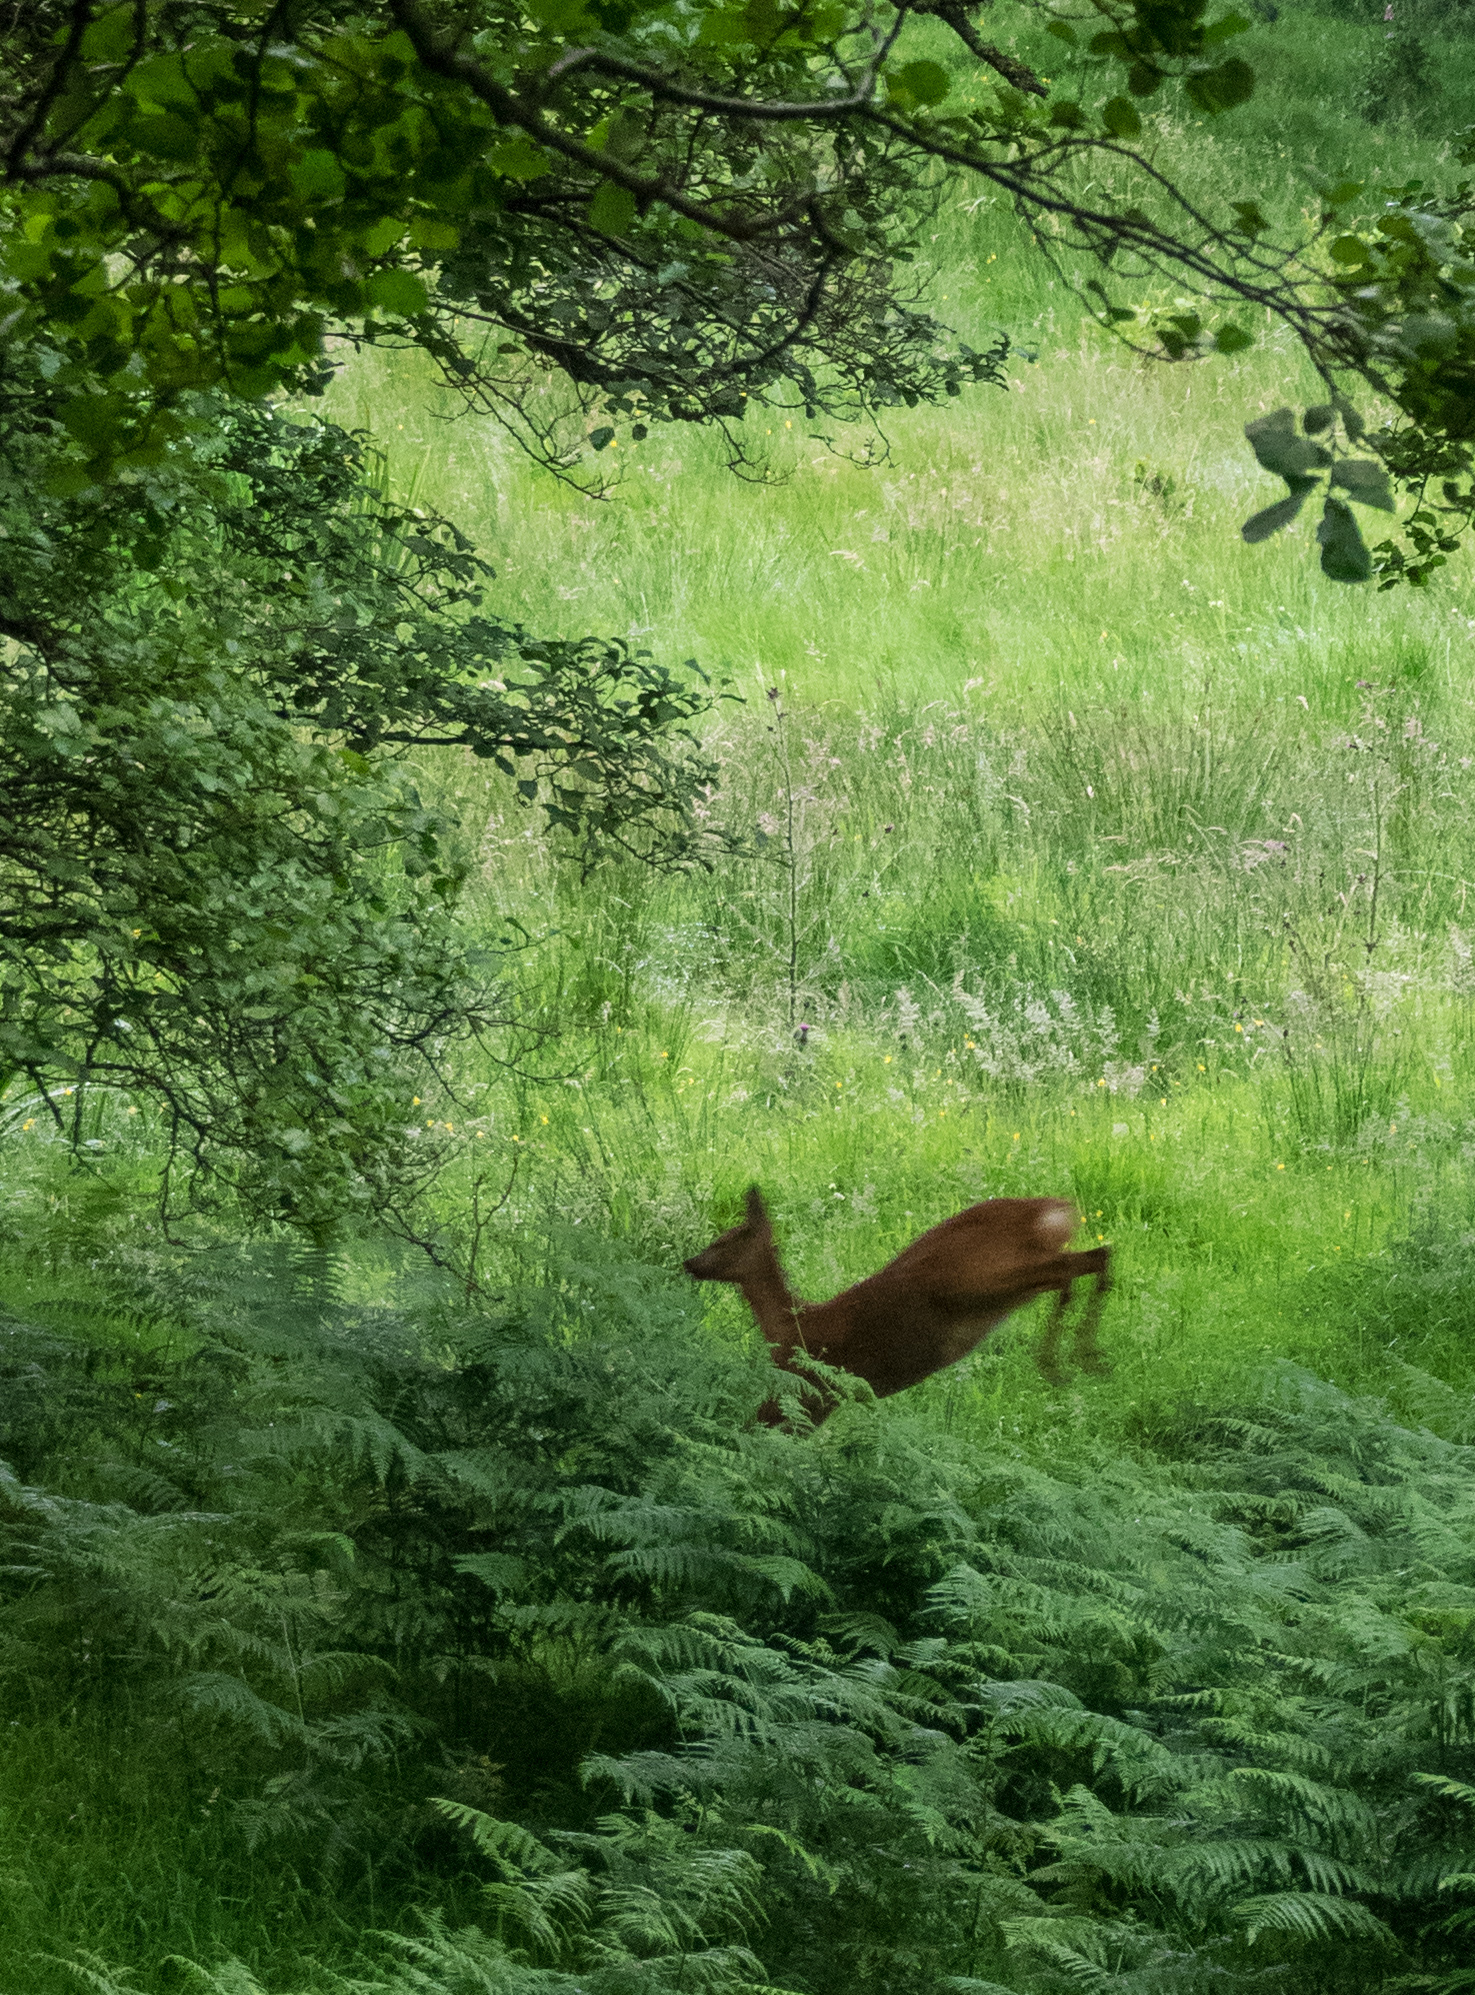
(757, 1211)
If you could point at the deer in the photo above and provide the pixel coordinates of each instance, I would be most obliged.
(925, 1310)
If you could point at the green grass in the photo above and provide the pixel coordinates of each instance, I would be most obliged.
(1051, 727)
(1047, 727)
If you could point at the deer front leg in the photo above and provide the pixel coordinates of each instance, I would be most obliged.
(1048, 1355)
(1087, 1354)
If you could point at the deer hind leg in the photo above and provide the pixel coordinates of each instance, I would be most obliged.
(1087, 1354)
(1048, 1355)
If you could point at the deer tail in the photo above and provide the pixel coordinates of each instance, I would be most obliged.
(1055, 1224)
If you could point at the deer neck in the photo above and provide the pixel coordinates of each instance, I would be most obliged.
(772, 1302)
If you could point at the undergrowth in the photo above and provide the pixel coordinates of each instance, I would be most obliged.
(495, 1651)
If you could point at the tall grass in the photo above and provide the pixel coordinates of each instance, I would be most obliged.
(1082, 847)
(1096, 850)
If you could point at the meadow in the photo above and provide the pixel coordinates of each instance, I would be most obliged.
(1099, 852)
(1063, 845)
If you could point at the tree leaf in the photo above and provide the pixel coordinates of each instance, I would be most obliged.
(1344, 555)
(612, 211)
(919, 82)
(1348, 250)
(1224, 28)
(1261, 525)
(1364, 480)
(1122, 118)
(1274, 440)
(397, 291)
(318, 175)
(519, 158)
(1220, 89)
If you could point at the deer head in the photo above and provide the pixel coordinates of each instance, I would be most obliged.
(742, 1251)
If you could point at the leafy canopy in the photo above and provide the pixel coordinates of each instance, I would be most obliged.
(223, 896)
(682, 207)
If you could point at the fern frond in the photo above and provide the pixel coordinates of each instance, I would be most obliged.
(1450, 1790)
(90, 1971)
(1310, 1915)
(230, 1698)
(508, 1844)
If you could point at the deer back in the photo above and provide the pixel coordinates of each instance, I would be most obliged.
(943, 1294)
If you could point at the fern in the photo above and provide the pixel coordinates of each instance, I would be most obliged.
(708, 1709)
(1310, 1915)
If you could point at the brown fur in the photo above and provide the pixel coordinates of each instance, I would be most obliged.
(926, 1309)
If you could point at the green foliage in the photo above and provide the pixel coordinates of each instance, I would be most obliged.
(685, 212)
(316, 1611)
(224, 894)
(1299, 461)
(716, 1706)
(1400, 82)
(1404, 280)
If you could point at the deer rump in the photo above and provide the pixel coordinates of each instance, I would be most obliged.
(929, 1307)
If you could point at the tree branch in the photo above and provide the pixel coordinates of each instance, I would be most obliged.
(1018, 73)
(442, 60)
(52, 89)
